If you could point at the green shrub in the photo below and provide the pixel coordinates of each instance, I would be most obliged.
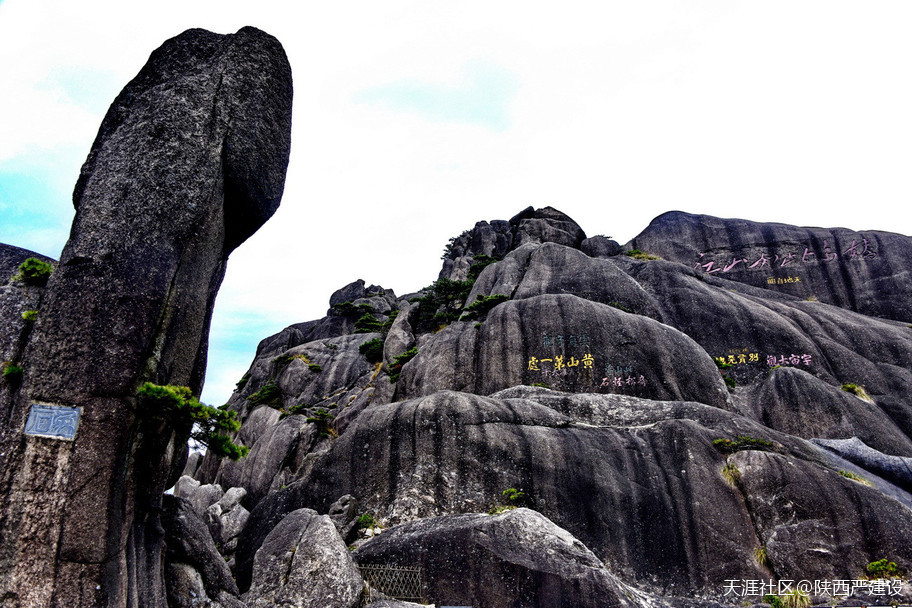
(731, 474)
(208, 425)
(34, 272)
(29, 316)
(386, 325)
(641, 255)
(482, 304)
(448, 248)
(619, 306)
(366, 520)
(884, 569)
(12, 373)
(721, 363)
(315, 367)
(441, 304)
(773, 600)
(854, 477)
(283, 360)
(372, 350)
(479, 263)
(367, 324)
(795, 599)
(760, 554)
(269, 394)
(742, 442)
(396, 368)
(323, 421)
(858, 391)
(294, 409)
(514, 496)
(242, 382)
(350, 309)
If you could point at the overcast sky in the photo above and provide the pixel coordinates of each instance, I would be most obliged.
(414, 120)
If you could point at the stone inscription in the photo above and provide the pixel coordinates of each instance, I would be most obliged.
(739, 358)
(782, 280)
(771, 360)
(792, 359)
(573, 340)
(857, 251)
(560, 362)
(57, 421)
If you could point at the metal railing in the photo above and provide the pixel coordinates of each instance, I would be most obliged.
(392, 582)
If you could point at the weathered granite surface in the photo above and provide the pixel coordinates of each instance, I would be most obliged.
(641, 366)
(866, 271)
(189, 161)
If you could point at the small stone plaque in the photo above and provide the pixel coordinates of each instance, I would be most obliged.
(56, 421)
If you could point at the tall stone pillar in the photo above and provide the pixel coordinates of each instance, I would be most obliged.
(189, 161)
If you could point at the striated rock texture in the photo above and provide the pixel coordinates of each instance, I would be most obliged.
(865, 271)
(303, 562)
(674, 429)
(189, 161)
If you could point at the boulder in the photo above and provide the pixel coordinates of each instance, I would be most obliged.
(189, 161)
(205, 496)
(343, 514)
(599, 246)
(185, 487)
(303, 562)
(226, 519)
(793, 401)
(518, 558)
(189, 543)
(545, 225)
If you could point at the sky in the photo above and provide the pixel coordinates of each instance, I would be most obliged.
(414, 120)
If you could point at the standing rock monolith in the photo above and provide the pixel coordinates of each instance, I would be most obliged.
(189, 161)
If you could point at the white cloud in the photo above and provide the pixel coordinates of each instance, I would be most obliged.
(774, 111)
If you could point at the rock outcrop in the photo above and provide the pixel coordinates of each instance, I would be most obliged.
(689, 430)
(862, 271)
(556, 421)
(518, 558)
(303, 562)
(189, 161)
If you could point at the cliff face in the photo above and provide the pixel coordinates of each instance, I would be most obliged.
(866, 271)
(714, 407)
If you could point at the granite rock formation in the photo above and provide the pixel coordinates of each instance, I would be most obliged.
(558, 420)
(189, 161)
(515, 558)
(687, 428)
(862, 271)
